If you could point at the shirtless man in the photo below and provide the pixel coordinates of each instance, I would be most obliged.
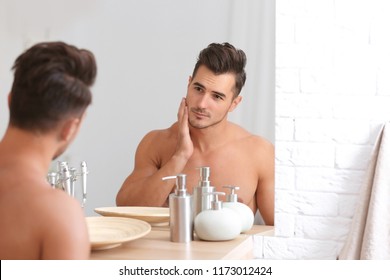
(203, 136)
(48, 99)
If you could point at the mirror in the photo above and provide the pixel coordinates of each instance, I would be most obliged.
(145, 52)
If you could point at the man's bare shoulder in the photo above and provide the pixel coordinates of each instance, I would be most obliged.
(160, 135)
(41, 201)
(261, 142)
(35, 216)
(252, 140)
(164, 132)
(58, 200)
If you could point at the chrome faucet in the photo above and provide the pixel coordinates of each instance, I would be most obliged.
(65, 178)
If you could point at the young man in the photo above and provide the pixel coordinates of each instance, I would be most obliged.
(203, 136)
(48, 99)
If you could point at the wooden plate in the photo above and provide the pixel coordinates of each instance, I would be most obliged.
(110, 232)
(153, 215)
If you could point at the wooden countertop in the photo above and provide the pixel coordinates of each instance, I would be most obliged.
(157, 245)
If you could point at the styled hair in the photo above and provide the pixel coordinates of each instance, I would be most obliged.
(224, 58)
(51, 83)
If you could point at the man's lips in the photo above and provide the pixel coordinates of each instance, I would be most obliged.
(200, 115)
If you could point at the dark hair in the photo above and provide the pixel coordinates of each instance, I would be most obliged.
(51, 83)
(224, 58)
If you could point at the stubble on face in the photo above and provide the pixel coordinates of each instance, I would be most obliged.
(202, 119)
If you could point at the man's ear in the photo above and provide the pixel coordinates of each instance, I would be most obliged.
(69, 129)
(235, 103)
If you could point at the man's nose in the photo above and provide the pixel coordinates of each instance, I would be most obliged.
(202, 101)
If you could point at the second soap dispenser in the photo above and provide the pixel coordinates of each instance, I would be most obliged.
(180, 211)
(246, 215)
(201, 201)
(217, 223)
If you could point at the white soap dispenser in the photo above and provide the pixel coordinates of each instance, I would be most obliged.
(244, 212)
(180, 211)
(217, 223)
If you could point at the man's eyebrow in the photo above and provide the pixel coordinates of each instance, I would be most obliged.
(199, 85)
(216, 92)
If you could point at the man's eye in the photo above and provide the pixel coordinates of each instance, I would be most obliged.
(198, 88)
(218, 96)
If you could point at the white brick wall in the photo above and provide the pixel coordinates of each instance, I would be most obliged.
(332, 94)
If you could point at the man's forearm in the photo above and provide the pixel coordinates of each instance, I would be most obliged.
(150, 190)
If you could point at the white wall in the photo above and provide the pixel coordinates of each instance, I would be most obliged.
(145, 51)
(332, 95)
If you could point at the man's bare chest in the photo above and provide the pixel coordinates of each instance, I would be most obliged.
(226, 169)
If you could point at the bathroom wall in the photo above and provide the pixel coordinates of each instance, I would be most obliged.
(145, 51)
(332, 95)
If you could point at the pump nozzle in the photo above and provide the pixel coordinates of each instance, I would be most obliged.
(180, 183)
(232, 196)
(215, 203)
(204, 173)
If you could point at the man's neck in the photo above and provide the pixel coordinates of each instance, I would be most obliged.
(27, 149)
(207, 139)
